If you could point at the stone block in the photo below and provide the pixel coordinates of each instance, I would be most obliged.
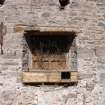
(102, 77)
(86, 18)
(100, 52)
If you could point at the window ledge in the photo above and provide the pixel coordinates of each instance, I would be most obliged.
(48, 77)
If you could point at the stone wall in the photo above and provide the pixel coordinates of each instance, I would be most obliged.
(87, 17)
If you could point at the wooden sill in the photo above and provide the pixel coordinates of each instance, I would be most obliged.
(48, 77)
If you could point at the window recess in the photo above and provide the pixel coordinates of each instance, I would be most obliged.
(49, 57)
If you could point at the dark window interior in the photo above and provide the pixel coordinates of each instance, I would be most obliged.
(48, 51)
(2, 2)
(65, 75)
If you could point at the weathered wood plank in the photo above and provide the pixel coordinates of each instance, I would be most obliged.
(54, 77)
(74, 76)
(49, 65)
(23, 27)
(48, 57)
(34, 77)
(48, 77)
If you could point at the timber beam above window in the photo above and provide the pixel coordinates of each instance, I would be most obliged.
(60, 29)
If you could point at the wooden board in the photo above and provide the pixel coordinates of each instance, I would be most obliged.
(24, 28)
(48, 62)
(49, 65)
(48, 77)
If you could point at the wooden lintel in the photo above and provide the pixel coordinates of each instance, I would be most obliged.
(27, 28)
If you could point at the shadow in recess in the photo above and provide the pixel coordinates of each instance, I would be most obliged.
(49, 43)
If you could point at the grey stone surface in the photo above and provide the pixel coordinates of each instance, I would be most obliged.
(86, 17)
